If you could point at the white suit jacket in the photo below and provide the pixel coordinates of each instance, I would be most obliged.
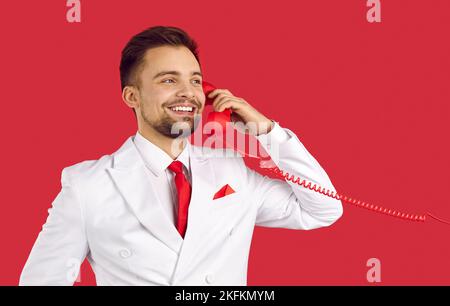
(108, 211)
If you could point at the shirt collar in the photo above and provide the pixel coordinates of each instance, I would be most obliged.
(155, 158)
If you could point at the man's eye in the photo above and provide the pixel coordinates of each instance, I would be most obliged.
(198, 81)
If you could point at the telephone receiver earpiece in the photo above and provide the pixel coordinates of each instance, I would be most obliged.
(220, 117)
(218, 124)
(207, 89)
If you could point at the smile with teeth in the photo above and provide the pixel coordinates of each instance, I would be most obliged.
(187, 109)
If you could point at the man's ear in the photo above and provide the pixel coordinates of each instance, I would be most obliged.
(130, 95)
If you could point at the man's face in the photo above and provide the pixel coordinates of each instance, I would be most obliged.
(159, 92)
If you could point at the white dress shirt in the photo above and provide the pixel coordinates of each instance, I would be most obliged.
(157, 161)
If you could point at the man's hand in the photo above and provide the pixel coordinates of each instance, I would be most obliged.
(255, 122)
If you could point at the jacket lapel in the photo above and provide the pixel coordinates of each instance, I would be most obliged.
(132, 181)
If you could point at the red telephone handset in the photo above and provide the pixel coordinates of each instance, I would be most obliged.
(220, 117)
(224, 117)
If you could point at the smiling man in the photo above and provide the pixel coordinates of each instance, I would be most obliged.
(152, 90)
(160, 211)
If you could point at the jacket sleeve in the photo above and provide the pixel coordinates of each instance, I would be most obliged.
(62, 245)
(285, 204)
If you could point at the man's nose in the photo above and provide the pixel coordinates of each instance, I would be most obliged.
(186, 91)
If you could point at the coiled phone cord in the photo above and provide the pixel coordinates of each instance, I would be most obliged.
(338, 196)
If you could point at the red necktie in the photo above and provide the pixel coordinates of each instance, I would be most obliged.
(184, 195)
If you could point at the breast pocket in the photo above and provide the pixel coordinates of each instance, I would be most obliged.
(228, 204)
(228, 197)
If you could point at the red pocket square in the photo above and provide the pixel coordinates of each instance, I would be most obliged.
(224, 191)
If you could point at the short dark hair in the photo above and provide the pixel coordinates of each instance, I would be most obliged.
(133, 54)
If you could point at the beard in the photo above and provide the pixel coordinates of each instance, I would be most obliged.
(171, 128)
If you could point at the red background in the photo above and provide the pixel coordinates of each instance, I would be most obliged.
(369, 101)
